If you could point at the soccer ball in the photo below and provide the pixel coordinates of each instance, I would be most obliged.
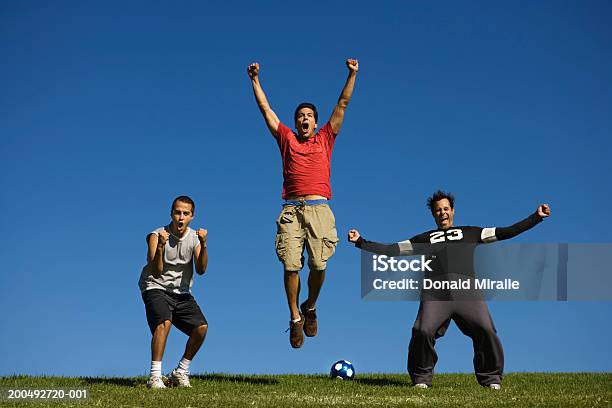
(342, 370)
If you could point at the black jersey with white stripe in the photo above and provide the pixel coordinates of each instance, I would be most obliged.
(451, 249)
(453, 234)
(451, 252)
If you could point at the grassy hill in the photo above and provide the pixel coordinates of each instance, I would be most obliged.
(367, 390)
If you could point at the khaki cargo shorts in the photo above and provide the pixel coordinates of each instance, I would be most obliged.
(310, 226)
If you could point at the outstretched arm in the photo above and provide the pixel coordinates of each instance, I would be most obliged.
(397, 249)
(262, 102)
(501, 233)
(345, 96)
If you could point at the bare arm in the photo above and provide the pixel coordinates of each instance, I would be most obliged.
(200, 253)
(155, 253)
(262, 102)
(345, 96)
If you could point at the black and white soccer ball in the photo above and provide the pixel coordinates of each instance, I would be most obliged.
(342, 370)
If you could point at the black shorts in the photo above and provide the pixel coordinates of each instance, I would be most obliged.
(181, 309)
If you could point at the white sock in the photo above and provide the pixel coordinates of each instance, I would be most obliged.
(156, 368)
(183, 365)
(296, 320)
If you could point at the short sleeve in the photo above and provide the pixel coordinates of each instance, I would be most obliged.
(328, 134)
(283, 135)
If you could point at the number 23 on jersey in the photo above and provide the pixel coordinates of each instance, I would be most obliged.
(454, 234)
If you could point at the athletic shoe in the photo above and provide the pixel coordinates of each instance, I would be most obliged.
(310, 321)
(155, 382)
(179, 379)
(495, 386)
(421, 385)
(296, 332)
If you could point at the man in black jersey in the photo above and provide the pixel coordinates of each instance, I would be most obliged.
(471, 316)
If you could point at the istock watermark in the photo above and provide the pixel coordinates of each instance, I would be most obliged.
(491, 272)
(384, 263)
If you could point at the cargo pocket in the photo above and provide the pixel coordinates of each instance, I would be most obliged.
(286, 216)
(280, 244)
(329, 247)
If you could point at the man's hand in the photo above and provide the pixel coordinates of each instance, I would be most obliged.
(352, 65)
(162, 238)
(353, 235)
(253, 70)
(202, 236)
(544, 210)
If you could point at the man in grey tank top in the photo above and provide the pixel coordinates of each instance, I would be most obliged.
(165, 284)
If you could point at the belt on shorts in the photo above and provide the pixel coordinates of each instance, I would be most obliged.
(298, 203)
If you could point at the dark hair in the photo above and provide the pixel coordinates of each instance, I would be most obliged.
(440, 195)
(183, 199)
(306, 105)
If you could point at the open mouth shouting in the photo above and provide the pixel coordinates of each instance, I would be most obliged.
(305, 120)
(444, 221)
(305, 128)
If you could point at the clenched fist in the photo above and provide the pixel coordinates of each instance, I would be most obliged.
(352, 65)
(253, 70)
(353, 235)
(544, 210)
(202, 235)
(162, 237)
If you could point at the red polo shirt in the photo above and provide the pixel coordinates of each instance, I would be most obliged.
(306, 164)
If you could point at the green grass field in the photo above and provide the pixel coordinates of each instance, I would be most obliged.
(367, 390)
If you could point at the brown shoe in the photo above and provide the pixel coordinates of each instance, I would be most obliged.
(310, 323)
(296, 335)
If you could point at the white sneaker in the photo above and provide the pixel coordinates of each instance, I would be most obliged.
(179, 379)
(155, 382)
(495, 386)
(421, 385)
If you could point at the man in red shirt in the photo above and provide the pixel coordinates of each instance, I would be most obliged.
(306, 221)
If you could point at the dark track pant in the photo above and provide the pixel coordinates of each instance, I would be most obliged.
(473, 319)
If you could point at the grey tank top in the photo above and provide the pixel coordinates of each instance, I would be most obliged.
(177, 276)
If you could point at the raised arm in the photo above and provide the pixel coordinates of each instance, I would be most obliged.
(397, 249)
(262, 102)
(501, 233)
(345, 96)
(155, 254)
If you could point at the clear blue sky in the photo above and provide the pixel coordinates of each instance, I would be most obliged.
(108, 111)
